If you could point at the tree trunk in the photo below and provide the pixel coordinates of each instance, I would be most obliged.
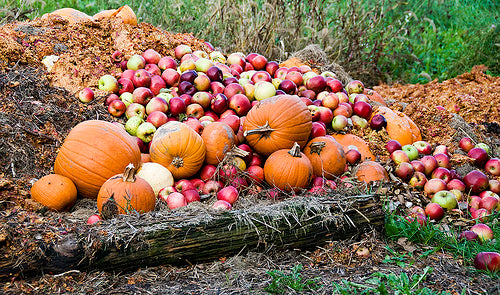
(127, 243)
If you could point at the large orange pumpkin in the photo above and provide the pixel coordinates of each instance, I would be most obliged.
(54, 191)
(178, 147)
(398, 125)
(370, 171)
(219, 139)
(348, 140)
(326, 155)
(93, 152)
(415, 131)
(69, 14)
(125, 193)
(125, 13)
(276, 123)
(288, 170)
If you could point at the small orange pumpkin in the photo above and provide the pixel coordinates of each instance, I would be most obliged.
(219, 139)
(370, 171)
(93, 152)
(288, 170)
(398, 125)
(326, 155)
(374, 96)
(178, 147)
(276, 123)
(125, 13)
(54, 191)
(125, 193)
(348, 140)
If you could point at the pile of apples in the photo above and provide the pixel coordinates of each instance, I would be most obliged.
(430, 171)
(199, 88)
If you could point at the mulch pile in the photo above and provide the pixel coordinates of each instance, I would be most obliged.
(38, 108)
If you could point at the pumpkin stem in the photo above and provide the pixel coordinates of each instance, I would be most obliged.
(237, 152)
(129, 174)
(317, 146)
(295, 150)
(177, 162)
(264, 130)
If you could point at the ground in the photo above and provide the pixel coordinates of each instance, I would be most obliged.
(38, 108)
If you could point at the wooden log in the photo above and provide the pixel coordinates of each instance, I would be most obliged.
(195, 235)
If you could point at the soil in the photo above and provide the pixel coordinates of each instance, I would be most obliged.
(38, 108)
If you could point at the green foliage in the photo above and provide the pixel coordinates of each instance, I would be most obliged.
(282, 283)
(383, 40)
(390, 283)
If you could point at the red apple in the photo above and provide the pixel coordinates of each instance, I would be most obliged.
(272, 67)
(418, 166)
(378, 122)
(176, 106)
(399, 156)
(157, 84)
(442, 173)
(229, 194)
(195, 110)
(153, 69)
(167, 62)
(355, 86)
(487, 261)
(288, 86)
(176, 200)
(492, 166)
(430, 164)
(202, 98)
(151, 56)
(335, 85)
(489, 203)
(456, 184)
(443, 160)
(480, 156)
(221, 205)
(232, 121)
(183, 184)
(392, 145)
(467, 235)
(423, 147)
(117, 108)
(479, 215)
(261, 76)
(433, 186)
(219, 103)
(353, 156)
(93, 219)
(434, 211)
(171, 77)
(325, 115)
(157, 118)
(466, 144)
(476, 181)
(405, 171)
(215, 74)
(141, 78)
(494, 186)
(259, 62)
(195, 124)
(483, 231)
(316, 83)
(441, 149)
(182, 50)
(191, 195)
(318, 129)
(474, 202)
(142, 95)
(418, 180)
(240, 104)
(362, 109)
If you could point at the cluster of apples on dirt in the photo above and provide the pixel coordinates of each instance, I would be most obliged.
(198, 88)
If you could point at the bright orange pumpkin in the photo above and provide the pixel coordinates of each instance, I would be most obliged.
(125, 193)
(348, 140)
(54, 191)
(326, 155)
(288, 170)
(219, 139)
(398, 125)
(178, 147)
(276, 123)
(370, 171)
(125, 13)
(93, 152)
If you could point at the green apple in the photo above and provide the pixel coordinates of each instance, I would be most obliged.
(127, 98)
(445, 199)
(202, 64)
(145, 131)
(263, 90)
(217, 56)
(484, 146)
(132, 124)
(108, 83)
(411, 151)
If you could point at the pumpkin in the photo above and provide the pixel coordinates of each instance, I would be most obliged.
(125, 193)
(69, 14)
(156, 175)
(347, 141)
(326, 155)
(125, 13)
(219, 139)
(370, 171)
(179, 148)
(398, 125)
(54, 191)
(288, 170)
(93, 152)
(374, 96)
(276, 123)
(415, 131)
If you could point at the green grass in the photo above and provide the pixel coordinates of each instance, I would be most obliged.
(430, 234)
(383, 40)
(282, 283)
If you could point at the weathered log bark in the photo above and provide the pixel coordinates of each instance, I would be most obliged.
(126, 243)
